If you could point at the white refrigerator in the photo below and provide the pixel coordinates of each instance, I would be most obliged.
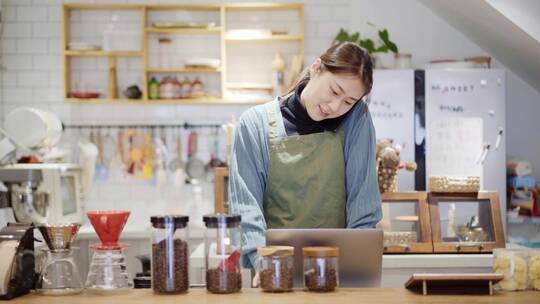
(465, 126)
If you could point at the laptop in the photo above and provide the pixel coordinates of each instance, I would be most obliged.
(360, 252)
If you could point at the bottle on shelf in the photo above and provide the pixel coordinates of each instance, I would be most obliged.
(153, 89)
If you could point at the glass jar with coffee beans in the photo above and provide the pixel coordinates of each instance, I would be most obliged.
(321, 271)
(170, 254)
(222, 250)
(276, 274)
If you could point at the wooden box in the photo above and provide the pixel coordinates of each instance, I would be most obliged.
(466, 222)
(406, 223)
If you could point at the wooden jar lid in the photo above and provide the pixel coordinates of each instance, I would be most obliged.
(281, 251)
(320, 252)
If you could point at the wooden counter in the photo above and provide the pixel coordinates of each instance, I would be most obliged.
(252, 296)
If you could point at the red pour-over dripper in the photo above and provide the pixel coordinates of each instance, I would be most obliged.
(108, 226)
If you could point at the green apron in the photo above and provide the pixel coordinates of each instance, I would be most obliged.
(305, 186)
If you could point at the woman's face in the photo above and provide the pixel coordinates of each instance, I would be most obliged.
(329, 95)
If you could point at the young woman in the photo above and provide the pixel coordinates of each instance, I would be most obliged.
(307, 159)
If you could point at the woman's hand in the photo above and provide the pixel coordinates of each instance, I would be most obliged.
(255, 281)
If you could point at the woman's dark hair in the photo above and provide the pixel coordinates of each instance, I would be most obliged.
(344, 58)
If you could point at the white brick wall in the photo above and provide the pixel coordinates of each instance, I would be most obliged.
(32, 46)
(17, 29)
(31, 49)
(32, 14)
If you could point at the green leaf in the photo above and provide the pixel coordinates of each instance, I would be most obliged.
(382, 49)
(386, 40)
(355, 37)
(392, 47)
(341, 36)
(384, 35)
(368, 45)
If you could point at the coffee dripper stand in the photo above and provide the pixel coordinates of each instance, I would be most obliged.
(108, 269)
(59, 274)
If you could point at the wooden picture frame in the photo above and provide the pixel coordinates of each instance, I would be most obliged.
(221, 182)
(441, 246)
(425, 244)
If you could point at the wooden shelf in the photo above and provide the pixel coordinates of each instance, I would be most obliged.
(270, 38)
(202, 100)
(264, 6)
(182, 70)
(185, 7)
(104, 53)
(211, 30)
(103, 6)
(219, 15)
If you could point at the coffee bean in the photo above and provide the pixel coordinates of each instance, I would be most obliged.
(170, 267)
(277, 279)
(315, 281)
(223, 281)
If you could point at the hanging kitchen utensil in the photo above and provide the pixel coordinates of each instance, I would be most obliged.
(171, 147)
(179, 173)
(101, 168)
(180, 163)
(218, 162)
(138, 152)
(121, 147)
(161, 158)
(214, 156)
(117, 166)
(88, 154)
(148, 162)
(135, 153)
(92, 137)
(195, 166)
(168, 137)
(107, 151)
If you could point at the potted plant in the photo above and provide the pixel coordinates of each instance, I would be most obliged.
(382, 52)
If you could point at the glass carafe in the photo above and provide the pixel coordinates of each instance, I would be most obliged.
(59, 274)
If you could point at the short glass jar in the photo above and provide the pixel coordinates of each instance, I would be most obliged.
(321, 269)
(277, 268)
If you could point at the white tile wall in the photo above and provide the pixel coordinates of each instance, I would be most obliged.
(31, 49)
(32, 46)
(32, 14)
(17, 29)
(31, 54)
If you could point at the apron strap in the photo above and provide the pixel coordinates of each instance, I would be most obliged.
(273, 132)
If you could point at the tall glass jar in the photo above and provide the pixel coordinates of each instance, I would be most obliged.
(321, 269)
(277, 271)
(222, 251)
(170, 254)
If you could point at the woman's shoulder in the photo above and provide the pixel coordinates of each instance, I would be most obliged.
(359, 118)
(252, 124)
(255, 116)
